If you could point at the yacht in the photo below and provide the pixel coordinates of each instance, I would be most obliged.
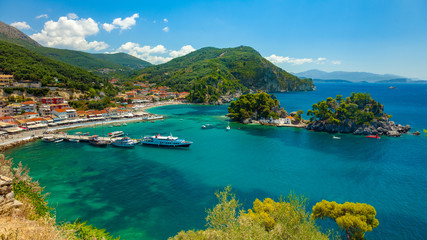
(124, 142)
(116, 134)
(165, 141)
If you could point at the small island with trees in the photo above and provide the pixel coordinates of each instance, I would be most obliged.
(263, 108)
(358, 114)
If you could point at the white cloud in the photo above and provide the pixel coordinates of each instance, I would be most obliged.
(183, 51)
(70, 33)
(42, 16)
(108, 27)
(165, 20)
(20, 25)
(72, 16)
(126, 23)
(155, 55)
(165, 29)
(321, 59)
(336, 62)
(295, 61)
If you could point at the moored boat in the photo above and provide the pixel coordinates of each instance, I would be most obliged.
(96, 141)
(125, 142)
(116, 134)
(373, 136)
(48, 139)
(165, 141)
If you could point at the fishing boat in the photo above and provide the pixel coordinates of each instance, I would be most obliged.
(334, 137)
(165, 141)
(204, 126)
(73, 140)
(125, 142)
(116, 134)
(373, 136)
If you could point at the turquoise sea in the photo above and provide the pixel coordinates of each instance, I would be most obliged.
(153, 193)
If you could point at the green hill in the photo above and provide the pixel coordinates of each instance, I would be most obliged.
(28, 65)
(124, 60)
(210, 73)
(119, 65)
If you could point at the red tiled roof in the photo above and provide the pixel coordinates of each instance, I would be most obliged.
(28, 102)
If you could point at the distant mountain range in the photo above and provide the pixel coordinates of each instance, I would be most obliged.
(341, 76)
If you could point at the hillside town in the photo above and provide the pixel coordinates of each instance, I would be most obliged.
(20, 113)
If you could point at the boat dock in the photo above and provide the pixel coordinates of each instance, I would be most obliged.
(81, 138)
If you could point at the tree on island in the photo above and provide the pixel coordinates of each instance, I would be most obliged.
(256, 106)
(359, 107)
(354, 218)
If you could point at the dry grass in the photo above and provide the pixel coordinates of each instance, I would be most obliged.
(16, 228)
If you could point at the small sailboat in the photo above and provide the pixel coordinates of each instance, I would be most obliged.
(228, 126)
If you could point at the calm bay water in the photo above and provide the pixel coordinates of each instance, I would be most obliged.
(152, 193)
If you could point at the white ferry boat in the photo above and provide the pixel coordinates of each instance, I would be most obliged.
(125, 142)
(165, 141)
(116, 134)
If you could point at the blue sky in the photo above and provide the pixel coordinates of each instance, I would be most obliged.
(330, 35)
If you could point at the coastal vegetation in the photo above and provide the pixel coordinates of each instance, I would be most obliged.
(256, 106)
(28, 65)
(268, 219)
(25, 214)
(210, 73)
(354, 218)
(358, 114)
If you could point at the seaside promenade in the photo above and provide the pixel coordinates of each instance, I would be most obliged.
(11, 140)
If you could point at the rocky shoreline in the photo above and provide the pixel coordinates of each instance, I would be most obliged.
(388, 128)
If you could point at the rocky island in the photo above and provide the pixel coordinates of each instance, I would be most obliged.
(358, 114)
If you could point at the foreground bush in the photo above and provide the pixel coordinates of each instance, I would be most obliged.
(267, 220)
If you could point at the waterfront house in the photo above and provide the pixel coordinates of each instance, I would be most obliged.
(29, 115)
(52, 100)
(14, 109)
(28, 106)
(288, 120)
(44, 110)
(65, 113)
(6, 80)
(7, 119)
(4, 110)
